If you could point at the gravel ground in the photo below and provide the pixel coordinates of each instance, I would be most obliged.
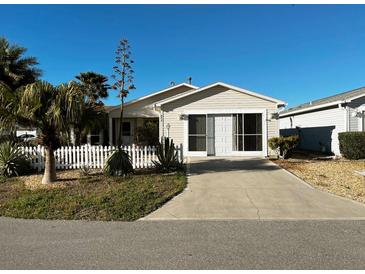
(335, 176)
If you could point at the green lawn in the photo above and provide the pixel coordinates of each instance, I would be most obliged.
(94, 197)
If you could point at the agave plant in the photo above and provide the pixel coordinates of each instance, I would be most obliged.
(12, 161)
(167, 155)
(118, 164)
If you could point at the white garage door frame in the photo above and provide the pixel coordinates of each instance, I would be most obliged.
(263, 111)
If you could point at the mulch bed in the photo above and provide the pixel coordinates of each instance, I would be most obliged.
(335, 176)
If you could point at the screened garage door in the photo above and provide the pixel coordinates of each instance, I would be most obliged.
(223, 134)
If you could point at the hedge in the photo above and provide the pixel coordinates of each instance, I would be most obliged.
(352, 144)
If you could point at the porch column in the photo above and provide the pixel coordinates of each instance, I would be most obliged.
(110, 131)
(88, 138)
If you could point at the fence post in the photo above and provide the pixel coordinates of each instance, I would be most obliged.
(153, 153)
(137, 158)
(148, 156)
(66, 158)
(102, 157)
(134, 156)
(73, 157)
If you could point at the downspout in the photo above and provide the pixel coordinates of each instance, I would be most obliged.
(161, 121)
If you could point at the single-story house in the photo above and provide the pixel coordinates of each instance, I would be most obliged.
(319, 122)
(217, 119)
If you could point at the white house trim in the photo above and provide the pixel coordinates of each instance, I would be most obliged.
(224, 111)
(279, 102)
(282, 115)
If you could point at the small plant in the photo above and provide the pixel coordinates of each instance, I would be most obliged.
(283, 144)
(12, 161)
(118, 164)
(85, 170)
(352, 144)
(167, 155)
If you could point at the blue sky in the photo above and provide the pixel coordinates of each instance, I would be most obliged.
(294, 53)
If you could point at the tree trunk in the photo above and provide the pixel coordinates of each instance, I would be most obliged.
(49, 167)
(120, 135)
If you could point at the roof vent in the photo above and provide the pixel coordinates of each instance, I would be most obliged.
(190, 80)
(172, 83)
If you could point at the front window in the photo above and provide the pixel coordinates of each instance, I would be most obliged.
(95, 137)
(126, 131)
(247, 132)
(197, 133)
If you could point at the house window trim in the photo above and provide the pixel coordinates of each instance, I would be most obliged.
(243, 134)
(206, 136)
(263, 111)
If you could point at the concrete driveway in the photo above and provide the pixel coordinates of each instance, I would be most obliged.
(251, 188)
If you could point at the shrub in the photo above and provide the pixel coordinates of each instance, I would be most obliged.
(352, 144)
(283, 144)
(118, 164)
(85, 170)
(12, 161)
(148, 134)
(167, 155)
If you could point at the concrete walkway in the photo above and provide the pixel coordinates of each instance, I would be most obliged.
(250, 188)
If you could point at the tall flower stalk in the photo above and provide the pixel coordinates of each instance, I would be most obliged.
(123, 76)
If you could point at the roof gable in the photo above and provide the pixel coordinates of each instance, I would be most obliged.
(192, 92)
(140, 99)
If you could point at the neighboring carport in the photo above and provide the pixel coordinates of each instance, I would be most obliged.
(251, 188)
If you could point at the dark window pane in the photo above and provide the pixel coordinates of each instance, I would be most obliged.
(126, 129)
(197, 124)
(240, 143)
(197, 143)
(253, 123)
(94, 139)
(253, 143)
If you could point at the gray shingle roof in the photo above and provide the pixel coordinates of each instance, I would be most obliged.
(331, 99)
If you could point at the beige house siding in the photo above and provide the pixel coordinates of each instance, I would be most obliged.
(217, 98)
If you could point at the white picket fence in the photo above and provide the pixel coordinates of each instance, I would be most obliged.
(74, 157)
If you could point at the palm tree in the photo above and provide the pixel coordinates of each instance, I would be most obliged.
(93, 87)
(49, 108)
(16, 70)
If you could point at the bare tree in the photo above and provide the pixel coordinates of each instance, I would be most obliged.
(123, 76)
